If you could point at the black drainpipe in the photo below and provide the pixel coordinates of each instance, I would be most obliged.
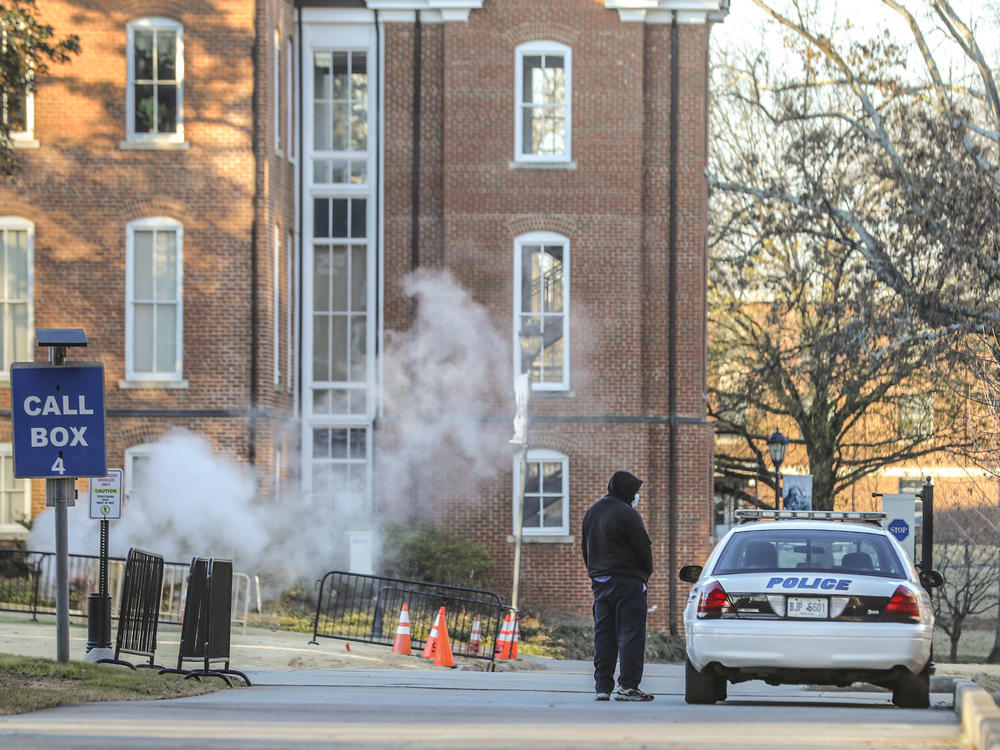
(672, 332)
(415, 510)
(254, 239)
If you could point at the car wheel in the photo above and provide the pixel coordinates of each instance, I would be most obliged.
(913, 690)
(701, 687)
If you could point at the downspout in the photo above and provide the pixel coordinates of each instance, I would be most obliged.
(672, 331)
(254, 240)
(415, 238)
(300, 161)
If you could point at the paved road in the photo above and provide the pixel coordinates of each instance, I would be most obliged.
(453, 710)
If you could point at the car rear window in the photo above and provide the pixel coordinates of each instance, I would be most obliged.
(773, 548)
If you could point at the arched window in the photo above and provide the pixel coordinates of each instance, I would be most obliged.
(17, 254)
(154, 99)
(154, 299)
(541, 309)
(544, 99)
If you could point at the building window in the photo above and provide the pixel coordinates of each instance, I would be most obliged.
(17, 239)
(290, 311)
(340, 306)
(15, 496)
(541, 305)
(544, 102)
(340, 118)
(340, 464)
(546, 493)
(155, 93)
(138, 481)
(154, 309)
(277, 91)
(276, 297)
(290, 97)
(18, 111)
(916, 417)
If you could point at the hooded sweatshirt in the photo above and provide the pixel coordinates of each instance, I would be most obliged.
(614, 539)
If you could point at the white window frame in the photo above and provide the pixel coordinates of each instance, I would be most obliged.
(24, 137)
(290, 97)
(276, 316)
(542, 48)
(19, 224)
(277, 92)
(7, 474)
(153, 24)
(546, 456)
(160, 224)
(290, 312)
(542, 238)
(143, 450)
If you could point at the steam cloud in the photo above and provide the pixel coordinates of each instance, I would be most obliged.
(440, 379)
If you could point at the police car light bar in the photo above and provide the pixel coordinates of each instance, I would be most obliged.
(875, 517)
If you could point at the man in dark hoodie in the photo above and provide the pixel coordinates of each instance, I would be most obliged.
(619, 559)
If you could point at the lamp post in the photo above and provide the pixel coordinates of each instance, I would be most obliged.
(776, 445)
(530, 339)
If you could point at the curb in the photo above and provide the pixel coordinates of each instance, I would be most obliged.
(979, 715)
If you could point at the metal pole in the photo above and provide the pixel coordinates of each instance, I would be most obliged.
(927, 534)
(58, 492)
(777, 487)
(519, 510)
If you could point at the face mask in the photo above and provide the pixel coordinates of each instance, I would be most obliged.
(635, 500)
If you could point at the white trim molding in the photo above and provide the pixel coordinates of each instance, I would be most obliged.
(430, 10)
(662, 11)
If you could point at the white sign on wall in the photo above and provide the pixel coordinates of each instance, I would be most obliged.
(900, 517)
(106, 496)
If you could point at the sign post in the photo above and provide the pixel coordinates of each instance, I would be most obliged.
(105, 505)
(57, 415)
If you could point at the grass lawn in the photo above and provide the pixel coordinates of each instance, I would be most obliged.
(29, 684)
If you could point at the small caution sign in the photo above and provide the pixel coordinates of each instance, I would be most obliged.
(106, 496)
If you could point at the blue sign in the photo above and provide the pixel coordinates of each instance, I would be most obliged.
(899, 529)
(58, 419)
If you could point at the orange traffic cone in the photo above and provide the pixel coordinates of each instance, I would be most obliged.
(432, 638)
(442, 647)
(515, 638)
(402, 642)
(475, 637)
(503, 640)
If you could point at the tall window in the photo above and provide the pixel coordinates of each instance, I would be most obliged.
(277, 91)
(17, 108)
(138, 482)
(276, 297)
(155, 95)
(340, 306)
(290, 97)
(14, 495)
(16, 295)
(154, 310)
(290, 311)
(541, 304)
(916, 417)
(340, 463)
(340, 112)
(546, 492)
(543, 96)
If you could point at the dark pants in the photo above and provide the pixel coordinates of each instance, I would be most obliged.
(619, 631)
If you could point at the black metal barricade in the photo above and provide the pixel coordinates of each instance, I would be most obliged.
(366, 608)
(27, 584)
(206, 626)
(139, 609)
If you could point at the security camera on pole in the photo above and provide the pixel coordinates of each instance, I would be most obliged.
(57, 415)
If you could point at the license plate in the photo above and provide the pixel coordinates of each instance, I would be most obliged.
(806, 606)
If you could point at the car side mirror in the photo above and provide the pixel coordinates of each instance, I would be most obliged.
(931, 579)
(691, 573)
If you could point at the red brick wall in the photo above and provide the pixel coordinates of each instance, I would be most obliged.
(614, 207)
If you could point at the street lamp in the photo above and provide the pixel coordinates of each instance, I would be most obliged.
(776, 445)
(530, 339)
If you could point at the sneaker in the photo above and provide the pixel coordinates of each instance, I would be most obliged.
(632, 694)
(602, 697)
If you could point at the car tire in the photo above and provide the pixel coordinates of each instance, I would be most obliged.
(913, 690)
(702, 687)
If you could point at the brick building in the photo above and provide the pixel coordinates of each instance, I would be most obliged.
(313, 232)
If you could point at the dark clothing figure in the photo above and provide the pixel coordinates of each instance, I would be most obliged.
(619, 559)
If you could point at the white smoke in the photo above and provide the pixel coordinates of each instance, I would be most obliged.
(440, 381)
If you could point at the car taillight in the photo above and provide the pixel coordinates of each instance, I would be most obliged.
(714, 602)
(902, 606)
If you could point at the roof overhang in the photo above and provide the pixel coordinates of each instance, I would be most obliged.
(664, 11)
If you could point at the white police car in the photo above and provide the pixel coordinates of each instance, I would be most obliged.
(807, 597)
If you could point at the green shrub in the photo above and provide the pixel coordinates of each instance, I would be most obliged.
(422, 553)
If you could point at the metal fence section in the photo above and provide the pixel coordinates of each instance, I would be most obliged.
(366, 608)
(28, 584)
